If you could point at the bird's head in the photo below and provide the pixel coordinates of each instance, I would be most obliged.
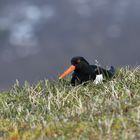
(78, 60)
(77, 64)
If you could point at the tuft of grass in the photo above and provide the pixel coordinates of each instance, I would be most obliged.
(56, 110)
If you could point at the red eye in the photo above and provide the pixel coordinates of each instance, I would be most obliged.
(78, 61)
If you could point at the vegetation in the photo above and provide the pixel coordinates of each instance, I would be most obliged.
(56, 110)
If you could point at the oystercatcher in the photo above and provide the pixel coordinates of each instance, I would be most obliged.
(84, 72)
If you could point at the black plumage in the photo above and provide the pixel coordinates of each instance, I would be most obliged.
(85, 72)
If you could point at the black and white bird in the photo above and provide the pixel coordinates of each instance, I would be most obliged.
(83, 71)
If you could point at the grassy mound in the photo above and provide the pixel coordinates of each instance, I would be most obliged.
(56, 110)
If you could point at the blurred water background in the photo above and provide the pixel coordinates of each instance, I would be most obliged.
(39, 37)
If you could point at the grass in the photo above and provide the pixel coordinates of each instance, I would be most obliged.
(55, 110)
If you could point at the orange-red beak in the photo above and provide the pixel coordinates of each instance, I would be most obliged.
(68, 71)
